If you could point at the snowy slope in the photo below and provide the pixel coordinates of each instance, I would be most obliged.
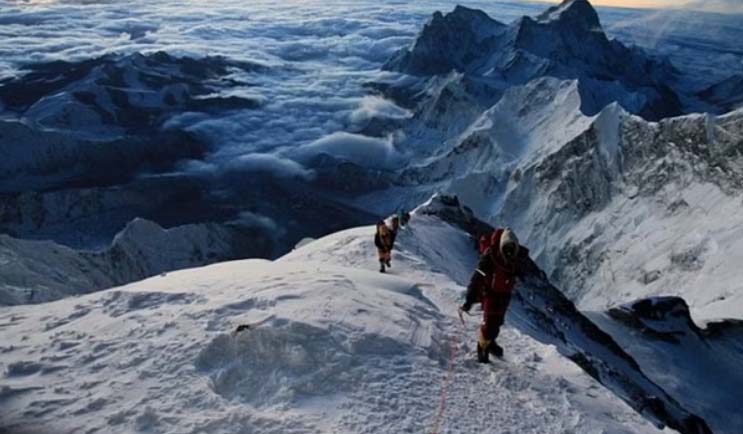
(630, 209)
(333, 346)
(616, 208)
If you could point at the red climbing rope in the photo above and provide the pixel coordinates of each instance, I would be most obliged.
(439, 418)
(445, 388)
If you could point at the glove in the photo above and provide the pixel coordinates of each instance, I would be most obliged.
(466, 307)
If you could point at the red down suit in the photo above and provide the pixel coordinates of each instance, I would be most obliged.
(492, 284)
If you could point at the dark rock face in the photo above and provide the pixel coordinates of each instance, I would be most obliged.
(565, 42)
(546, 314)
(449, 209)
(575, 13)
(541, 310)
(448, 42)
(707, 147)
(45, 160)
(90, 217)
(347, 177)
(670, 314)
(699, 367)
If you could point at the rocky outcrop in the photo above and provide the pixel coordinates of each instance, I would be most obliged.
(697, 365)
(727, 94)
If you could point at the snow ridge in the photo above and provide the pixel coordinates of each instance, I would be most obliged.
(330, 345)
(584, 189)
(680, 356)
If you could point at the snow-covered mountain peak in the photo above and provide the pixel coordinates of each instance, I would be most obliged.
(42, 271)
(565, 42)
(471, 23)
(529, 123)
(448, 41)
(580, 189)
(577, 13)
(468, 15)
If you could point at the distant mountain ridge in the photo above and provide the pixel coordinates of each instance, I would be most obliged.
(43, 271)
(580, 189)
(566, 41)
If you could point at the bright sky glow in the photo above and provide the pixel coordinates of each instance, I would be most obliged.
(724, 6)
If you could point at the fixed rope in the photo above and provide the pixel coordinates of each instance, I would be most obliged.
(453, 344)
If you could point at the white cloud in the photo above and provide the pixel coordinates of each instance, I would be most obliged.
(245, 166)
(250, 219)
(377, 107)
(267, 163)
(362, 150)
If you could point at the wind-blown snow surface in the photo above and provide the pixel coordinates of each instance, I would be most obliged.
(333, 346)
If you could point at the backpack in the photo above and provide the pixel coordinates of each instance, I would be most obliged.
(486, 241)
(484, 244)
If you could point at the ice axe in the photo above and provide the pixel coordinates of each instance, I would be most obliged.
(461, 313)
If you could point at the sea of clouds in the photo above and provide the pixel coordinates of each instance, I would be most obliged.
(319, 54)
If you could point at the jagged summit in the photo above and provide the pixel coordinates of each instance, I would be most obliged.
(449, 41)
(467, 13)
(475, 20)
(565, 42)
(579, 13)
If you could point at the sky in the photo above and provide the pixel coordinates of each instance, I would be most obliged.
(724, 6)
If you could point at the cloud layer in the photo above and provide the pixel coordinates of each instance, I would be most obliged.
(374, 152)
(320, 54)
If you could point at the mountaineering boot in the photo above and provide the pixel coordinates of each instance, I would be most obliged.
(482, 354)
(495, 350)
(381, 267)
(482, 348)
(388, 264)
